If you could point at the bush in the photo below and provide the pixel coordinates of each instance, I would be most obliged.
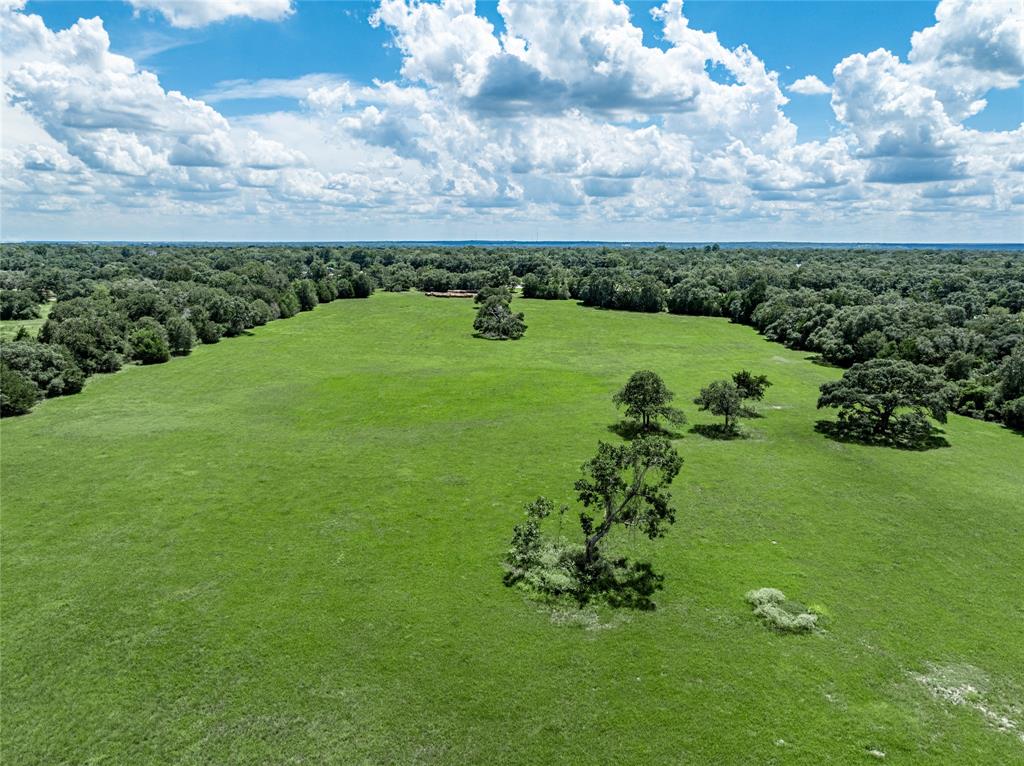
(260, 312)
(180, 335)
(51, 368)
(18, 304)
(209, 332)
(1013, 414)
(18, 394)
(326, 291)
(345, 289)
(149, 342)
(305, 290)
(287, 304)
(778, 613)
(362, 285)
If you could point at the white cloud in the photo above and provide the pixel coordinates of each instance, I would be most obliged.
(297, 88)
(810, 85)
(565, 117)
(188, 14)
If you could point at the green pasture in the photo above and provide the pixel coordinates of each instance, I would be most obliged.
(286, 549)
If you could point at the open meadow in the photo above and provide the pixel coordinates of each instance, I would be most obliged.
(286, 548)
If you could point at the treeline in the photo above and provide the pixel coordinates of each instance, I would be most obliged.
(959, 312)
(116, 305)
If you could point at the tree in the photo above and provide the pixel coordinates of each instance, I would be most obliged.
(326, 289)
(51, 368)
(495, 320)
(18, 394)
(751, 387)
(305, 290)
(181, 337)
(722, 397)
(149, 342)
(626, 485)
(869, 394)
(362, 285)
(646, 398)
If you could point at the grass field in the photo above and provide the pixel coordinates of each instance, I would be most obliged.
(9, 327)
(286, 549)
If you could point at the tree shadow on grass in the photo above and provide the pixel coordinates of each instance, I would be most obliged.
(918, 440)
(626, 584)
(819, 360)
(718, 431)
(630, 430)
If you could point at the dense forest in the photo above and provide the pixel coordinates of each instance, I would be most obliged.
(957, 311)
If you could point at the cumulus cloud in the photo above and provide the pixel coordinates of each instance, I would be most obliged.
(562, 113)
(809, 86)
(188, 14)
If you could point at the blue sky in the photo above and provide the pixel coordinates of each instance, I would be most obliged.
(426, 121)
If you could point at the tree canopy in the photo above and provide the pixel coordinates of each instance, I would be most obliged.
(646, 398)
(870, 394)
(722, 398)
(495, 320)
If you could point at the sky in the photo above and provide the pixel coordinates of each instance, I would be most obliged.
(524, 120)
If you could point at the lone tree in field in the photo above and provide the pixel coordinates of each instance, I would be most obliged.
(495, 320)
(626, 485)
(646, 398)
(750, 386)
(722, 398)
(869, 395)
(622, 486)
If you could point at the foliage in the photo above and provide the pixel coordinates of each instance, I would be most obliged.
(181, 337)
(19, 304)
(646, 398)
(18, 394)
(622, 486)
(51, 368)
(149, 342)
(750, 386)
(305, 291)
(627, 485)
(869, 395)
(722, 397)
(496, 321)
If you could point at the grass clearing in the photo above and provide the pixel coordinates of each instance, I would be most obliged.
(9, 327)
(286, 548)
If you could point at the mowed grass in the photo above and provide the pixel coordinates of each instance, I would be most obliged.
(286, 549)
(9, 327)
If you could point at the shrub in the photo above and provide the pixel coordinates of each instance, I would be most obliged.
(18, 394)
(345, 289)
(287, 303)
(149, 342)
(305, 289)
(326, 291)
(260, 312)
(362, 285)
(51, 368)
(209, 332)
(496, 321)
(778, 613)
(1013, 414)
(180, 335)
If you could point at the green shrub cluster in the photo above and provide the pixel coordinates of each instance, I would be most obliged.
(778, 613)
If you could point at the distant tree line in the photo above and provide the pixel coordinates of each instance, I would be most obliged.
(956, 312)
(145, 304)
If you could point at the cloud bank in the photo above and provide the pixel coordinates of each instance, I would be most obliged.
(564, 119)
